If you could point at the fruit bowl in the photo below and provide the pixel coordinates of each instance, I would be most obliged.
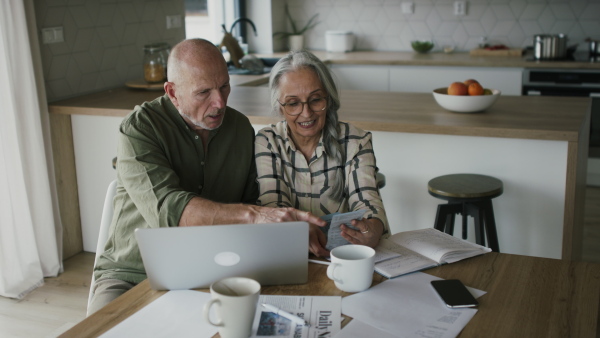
(465, 103)
(421, 46)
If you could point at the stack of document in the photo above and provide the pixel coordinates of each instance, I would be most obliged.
(403, 307)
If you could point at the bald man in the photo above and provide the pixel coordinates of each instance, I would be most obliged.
(184, 159)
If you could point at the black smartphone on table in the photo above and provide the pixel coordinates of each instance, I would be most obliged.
(454, 293)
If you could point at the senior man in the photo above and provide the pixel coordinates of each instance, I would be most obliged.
(184, 159)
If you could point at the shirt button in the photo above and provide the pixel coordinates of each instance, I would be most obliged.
(196, 137)
(202, 163)
(200, 187)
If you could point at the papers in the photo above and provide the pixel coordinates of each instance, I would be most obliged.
(407, 306)
(179, 314)
(323, 313)
(334, 237)
(175, 314)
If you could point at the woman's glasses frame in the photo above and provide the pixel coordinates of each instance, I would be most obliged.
(294, 111)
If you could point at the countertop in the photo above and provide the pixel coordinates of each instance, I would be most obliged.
(529, 117)
(525, 117)
(458, 59)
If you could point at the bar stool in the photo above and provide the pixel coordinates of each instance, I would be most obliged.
(468, 195)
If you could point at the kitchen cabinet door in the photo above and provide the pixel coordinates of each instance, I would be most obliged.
(424, 79)
(373, 78)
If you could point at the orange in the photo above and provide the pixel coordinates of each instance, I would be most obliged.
(475, 89)
(469, 81)
(457, 88)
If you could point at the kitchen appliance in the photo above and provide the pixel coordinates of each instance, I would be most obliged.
(339, 41)
(571, 82)
(549, 47)
(594, 47)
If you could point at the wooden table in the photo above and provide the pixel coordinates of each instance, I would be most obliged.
(526, 297)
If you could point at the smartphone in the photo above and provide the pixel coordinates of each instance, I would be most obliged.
(454, 293)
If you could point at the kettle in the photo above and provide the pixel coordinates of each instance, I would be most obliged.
(549, 47)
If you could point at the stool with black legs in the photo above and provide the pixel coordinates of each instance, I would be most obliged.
(468, 195)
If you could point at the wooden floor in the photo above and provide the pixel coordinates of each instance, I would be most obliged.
(61, 302)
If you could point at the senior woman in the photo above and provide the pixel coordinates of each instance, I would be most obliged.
(313, 162)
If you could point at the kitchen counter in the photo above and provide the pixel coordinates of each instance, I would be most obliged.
(461, 59)
(543, 118)
(519, 139)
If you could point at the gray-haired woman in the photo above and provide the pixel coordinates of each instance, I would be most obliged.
(313, 162)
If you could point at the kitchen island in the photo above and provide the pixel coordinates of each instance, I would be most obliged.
(536, 145)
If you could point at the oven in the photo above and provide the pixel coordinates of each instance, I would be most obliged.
(571, 82)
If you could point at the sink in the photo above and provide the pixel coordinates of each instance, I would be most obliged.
(268, 62)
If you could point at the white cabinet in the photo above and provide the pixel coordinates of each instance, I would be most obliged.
(424, 79)
(95, 145)
(373, 78)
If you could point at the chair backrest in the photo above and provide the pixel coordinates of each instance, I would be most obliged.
(107, 213)
(380, 180)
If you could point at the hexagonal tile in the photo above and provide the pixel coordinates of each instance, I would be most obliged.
(53, 17)
(532, 11)
(105, 14)
(591, 11)
(81, 17)
(502, 28)
(73, 75)
(85, 63)
(503, 12)
(530, 28)
(546, 19)
(488, 21)
(516, 37)
(58, 66)
(434, 21)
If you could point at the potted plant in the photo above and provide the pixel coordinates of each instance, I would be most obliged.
(296, 36)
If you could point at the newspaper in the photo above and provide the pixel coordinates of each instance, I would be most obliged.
(323, 313)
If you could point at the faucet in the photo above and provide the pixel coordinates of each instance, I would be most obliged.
(232, 45)
(243, 20)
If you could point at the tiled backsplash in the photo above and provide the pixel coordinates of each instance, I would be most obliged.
(381, 25)
(104, 41)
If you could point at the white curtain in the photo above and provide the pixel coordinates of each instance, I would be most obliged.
(30, 233)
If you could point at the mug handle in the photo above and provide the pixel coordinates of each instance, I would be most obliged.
(331, 272)
(207, 312)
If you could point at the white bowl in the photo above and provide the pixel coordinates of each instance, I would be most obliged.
(464, 103)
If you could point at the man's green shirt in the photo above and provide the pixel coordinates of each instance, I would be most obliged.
(161, 165)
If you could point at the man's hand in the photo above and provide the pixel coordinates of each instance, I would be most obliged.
(276, 215)
(317, 240)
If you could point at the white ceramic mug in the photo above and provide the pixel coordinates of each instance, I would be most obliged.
(352, 267)
(235, 300)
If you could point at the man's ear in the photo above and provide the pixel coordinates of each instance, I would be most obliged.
(170, 90)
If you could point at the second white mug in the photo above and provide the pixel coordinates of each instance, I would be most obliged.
(234, 300)
(352, 267)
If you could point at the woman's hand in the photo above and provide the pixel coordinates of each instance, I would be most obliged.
(317, 240)
(369, 232)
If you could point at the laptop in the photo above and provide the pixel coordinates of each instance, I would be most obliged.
(179, 258)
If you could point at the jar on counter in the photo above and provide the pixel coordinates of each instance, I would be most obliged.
(155, 63)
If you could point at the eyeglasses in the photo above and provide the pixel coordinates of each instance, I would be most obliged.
(294, 107)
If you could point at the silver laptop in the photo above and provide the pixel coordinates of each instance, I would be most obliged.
(179, 258)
